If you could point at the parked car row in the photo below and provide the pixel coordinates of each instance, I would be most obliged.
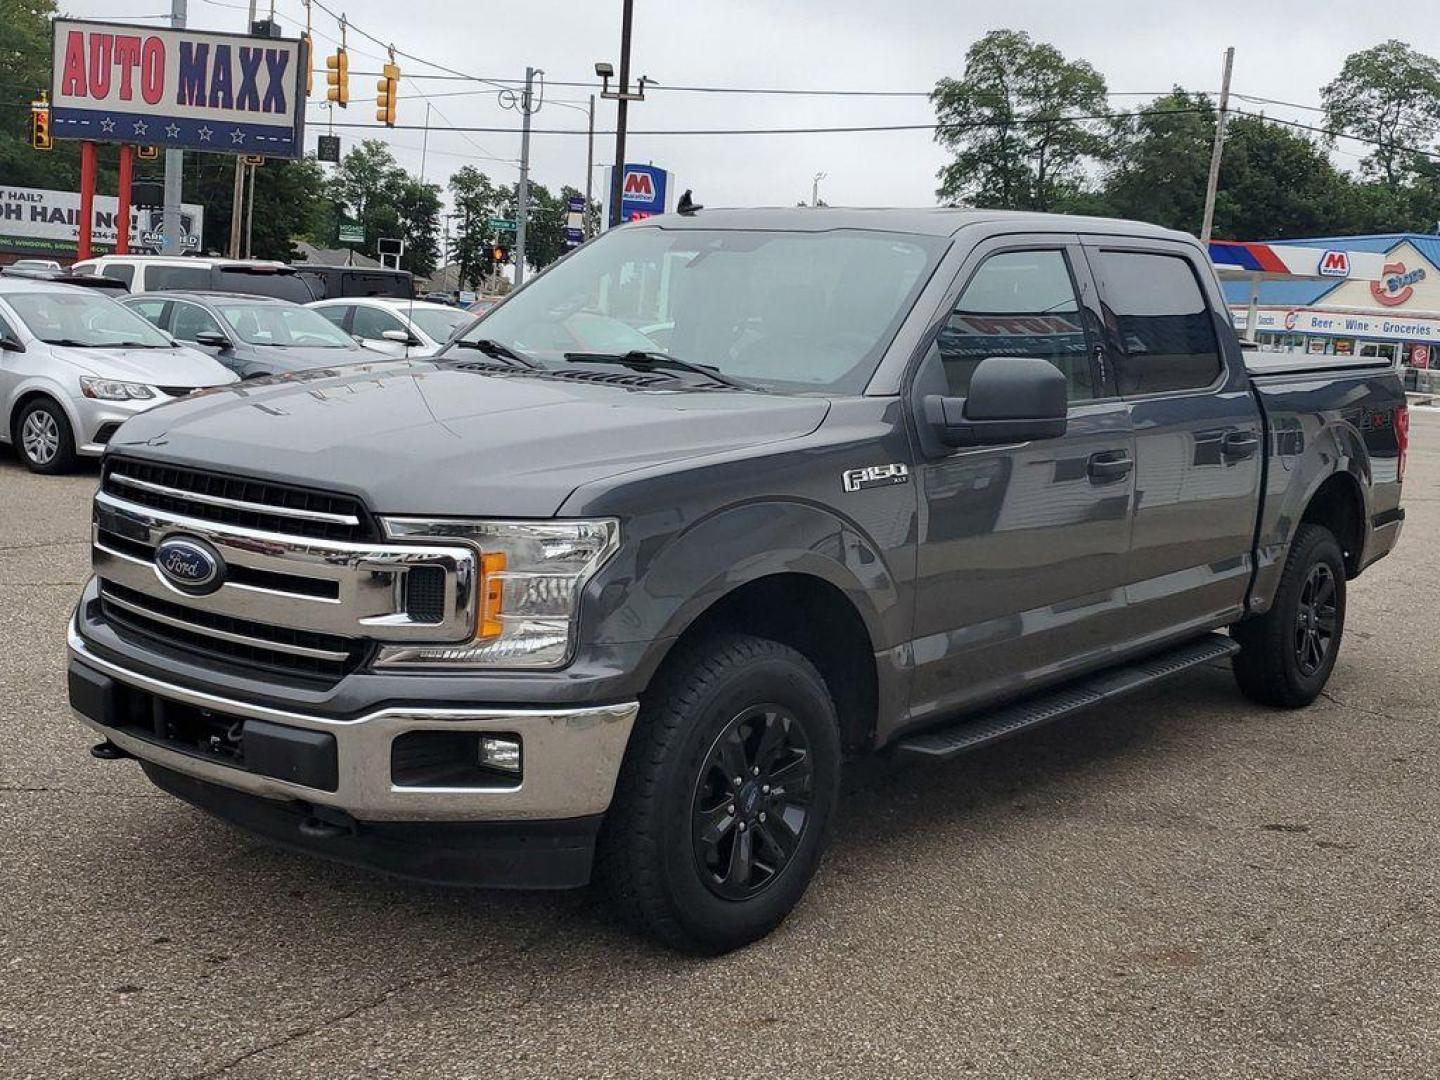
(262, 277)
(75, 362)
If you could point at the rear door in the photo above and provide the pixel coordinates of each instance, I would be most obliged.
(1197, 434)
(1022, 548)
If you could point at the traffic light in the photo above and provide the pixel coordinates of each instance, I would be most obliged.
(389, 87)
(307, 43)
(499, 255)
(147, 153)
(338, 76)
(40, 137)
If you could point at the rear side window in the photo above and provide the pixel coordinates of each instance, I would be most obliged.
(359, 283)
(1166, 331)
(120, 272)
(1018, 303)
(182, 278)
(284, 286)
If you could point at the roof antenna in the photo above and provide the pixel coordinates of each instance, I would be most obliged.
(687, 205)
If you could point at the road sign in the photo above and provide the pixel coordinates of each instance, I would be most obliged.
(328, 149)
(178, 88)
(253, 159)
(351, 232)
(502, 223)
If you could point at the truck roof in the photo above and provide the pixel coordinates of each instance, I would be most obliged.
(937, 221)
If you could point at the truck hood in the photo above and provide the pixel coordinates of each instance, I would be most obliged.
(178, 366)
(416, 437)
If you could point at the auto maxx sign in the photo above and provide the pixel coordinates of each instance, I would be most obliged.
(226, 93)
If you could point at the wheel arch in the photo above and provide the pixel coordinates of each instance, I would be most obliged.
(31, 391)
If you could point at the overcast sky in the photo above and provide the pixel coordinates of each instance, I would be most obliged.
(1285, 49)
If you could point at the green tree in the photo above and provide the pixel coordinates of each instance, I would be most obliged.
(1390, 95)
(1275, 184)
(1159, 162)
(1010, 122)
(371, 187)
(476, 199)
(290, 203)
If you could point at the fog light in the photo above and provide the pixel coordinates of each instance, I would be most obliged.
(500, 753)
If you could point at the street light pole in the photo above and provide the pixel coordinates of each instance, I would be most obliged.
(617, 178)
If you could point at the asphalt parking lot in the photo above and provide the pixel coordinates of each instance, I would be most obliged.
(1183, 886)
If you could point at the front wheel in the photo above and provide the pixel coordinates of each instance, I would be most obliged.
(44, 438)
(722, 805)
(1287, 654)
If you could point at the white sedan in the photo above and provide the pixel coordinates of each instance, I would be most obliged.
(394, 326)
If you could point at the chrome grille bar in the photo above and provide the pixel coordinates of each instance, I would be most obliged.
(338, 655)
(231, 504)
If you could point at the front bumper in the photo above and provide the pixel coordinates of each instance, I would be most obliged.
(571, 756)
(96, 420)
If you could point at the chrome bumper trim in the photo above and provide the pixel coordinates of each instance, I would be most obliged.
(572, 756)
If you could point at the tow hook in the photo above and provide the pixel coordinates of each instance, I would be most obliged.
(327, 823)
(108, 751)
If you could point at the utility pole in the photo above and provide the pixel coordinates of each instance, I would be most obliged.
(522, 196)
(174, 169)
(589, 169)
(815, 187)
(237, 201)
(250, 212)
(1214, 182)
(617, 178)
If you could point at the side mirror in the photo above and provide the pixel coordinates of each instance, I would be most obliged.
(1012, 399)
(212, 339)
(399, 336)
(11, 344)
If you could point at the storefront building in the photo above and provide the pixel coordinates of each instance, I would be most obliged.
(1396, 317)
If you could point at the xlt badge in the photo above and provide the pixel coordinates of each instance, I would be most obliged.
(875, 476)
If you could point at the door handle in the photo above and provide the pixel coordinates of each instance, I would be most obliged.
(1238, 445)
(1107, 466)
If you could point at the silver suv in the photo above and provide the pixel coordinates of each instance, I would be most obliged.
(75, 365)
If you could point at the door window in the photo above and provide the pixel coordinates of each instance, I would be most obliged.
(183, 278)
(190, 319)
(336, 313)
(371, 323)
(149, 310)
(1019, 303)
(1166, 332)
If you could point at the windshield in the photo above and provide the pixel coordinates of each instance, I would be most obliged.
(85, 319)
(789, 311)
(281, 324)
(439, 324)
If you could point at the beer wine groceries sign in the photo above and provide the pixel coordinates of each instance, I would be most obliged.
(183, 89)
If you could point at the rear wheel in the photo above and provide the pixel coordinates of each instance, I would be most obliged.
(1287, 654)
(43, 437)
(727, 790)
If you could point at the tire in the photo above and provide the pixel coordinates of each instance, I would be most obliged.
(43, 438)
(1287, 654)
(672, 850)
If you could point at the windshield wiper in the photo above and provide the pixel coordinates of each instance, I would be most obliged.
(73, 342)
(496, 351)
(646, 359)
(136, 345)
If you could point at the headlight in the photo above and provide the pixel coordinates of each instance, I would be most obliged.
(532, 575)
(113, 389)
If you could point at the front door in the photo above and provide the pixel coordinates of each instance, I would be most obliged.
(1022, 548)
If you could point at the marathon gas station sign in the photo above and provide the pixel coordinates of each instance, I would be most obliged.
(181, 89)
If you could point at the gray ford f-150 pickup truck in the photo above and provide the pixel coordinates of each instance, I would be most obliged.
(617, 580)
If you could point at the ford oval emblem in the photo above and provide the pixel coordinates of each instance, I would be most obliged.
(190, 565)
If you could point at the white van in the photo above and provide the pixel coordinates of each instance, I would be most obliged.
(153, 273)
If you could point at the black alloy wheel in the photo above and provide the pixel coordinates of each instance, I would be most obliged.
(1315, 619)
(752, 802)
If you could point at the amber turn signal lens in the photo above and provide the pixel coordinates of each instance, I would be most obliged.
(492, 595)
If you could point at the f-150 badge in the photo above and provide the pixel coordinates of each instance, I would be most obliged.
(875, 476)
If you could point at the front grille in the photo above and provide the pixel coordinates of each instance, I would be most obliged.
(237, 642)
(231, 500)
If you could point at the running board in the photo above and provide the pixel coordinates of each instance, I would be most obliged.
(975, 732)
